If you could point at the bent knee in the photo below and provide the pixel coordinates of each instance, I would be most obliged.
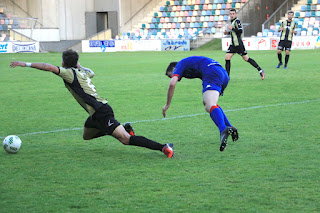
(209, 108)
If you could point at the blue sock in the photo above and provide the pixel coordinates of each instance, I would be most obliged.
(216, 115)
(226, 121)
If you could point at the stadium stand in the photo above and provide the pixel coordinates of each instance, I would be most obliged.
(307, 17)
(185, 19)
(6, 23)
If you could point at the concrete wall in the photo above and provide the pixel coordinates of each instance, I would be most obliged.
(71, 16)
(66, 15)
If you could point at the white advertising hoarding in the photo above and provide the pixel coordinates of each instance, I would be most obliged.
(98, 46)
(175, 45)
(135, 45)
(19, 47)
(138, 45)
(271, 43)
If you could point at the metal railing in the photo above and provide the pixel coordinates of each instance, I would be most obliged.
(279, 13)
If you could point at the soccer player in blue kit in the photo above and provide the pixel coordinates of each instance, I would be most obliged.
(214, 80)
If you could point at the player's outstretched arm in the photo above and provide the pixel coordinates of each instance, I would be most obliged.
(40, 66)
(171, 89)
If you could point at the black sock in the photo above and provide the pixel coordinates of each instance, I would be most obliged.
(145, 142)
(228, 66)
(253, 63)
(286, 60)
(280, 57)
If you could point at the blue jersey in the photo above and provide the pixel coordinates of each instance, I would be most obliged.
(212, 74)
(194, 67)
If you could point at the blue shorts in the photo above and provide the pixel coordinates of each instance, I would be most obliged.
(215, 78)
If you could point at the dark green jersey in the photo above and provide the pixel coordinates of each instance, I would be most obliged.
(289, 27)
(78, 82)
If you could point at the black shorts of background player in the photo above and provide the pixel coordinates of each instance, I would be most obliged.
(101, 121)
(234, 29)
(287, 29)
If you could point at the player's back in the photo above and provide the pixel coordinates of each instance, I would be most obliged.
(194, 66)
(78, 82)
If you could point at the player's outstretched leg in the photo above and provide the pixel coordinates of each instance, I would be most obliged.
(123, 136)
(141, 141)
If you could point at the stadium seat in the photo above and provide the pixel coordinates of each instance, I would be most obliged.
(307, 14)
(308, 8)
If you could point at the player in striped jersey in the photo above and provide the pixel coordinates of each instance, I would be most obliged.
(101, 121)
(287, 29)
(235, 30)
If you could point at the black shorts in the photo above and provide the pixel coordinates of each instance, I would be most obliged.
(237, 49)
(103, 119)
(284, 45)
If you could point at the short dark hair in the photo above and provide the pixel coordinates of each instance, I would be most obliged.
(171, 67)
(70, 58)
(233, 10)
(291, 12)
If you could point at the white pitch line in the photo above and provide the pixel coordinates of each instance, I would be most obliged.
(177, 117)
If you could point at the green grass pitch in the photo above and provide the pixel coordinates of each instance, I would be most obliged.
(274, 167)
